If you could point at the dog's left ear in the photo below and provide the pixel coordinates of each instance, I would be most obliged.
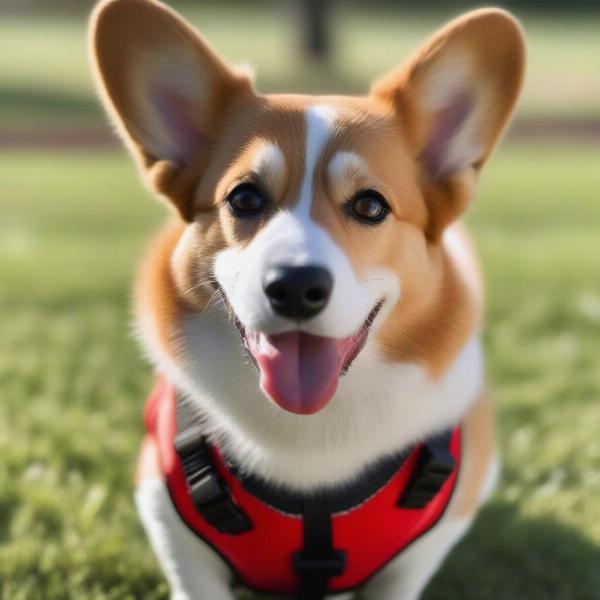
(166, 89)
(453, 100)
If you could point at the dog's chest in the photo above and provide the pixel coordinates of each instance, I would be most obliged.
(380, 408)
(333, 540)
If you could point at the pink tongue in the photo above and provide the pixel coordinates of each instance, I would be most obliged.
(298, 371)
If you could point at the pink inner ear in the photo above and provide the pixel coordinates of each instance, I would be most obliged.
(446, 124)
(185, 137)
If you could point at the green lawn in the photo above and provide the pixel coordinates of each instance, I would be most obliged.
(73, 384)
(45, 81)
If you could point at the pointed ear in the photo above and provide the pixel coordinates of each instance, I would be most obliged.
(166, 90)
(454, 99)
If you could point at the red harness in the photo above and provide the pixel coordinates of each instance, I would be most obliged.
(265, 556)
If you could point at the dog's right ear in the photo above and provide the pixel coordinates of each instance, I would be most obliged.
(166, 89)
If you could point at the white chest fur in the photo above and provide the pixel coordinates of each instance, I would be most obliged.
(379, 408)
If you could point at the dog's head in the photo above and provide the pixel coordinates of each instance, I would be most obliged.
(318, 221)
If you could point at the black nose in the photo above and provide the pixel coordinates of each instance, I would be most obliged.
(297, 292)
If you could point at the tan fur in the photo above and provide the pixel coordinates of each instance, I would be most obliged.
(270, 166)
(495, 46)
(393, 134)
(124, 36)
(441, 303)
(441, 285)
(155, 290)
(479, 450)
(495, 43)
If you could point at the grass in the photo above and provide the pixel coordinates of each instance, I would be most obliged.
(45, 82)
(73, 384)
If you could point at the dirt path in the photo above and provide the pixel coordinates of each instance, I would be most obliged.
(101, 137)
(60, 139)
(549, 129)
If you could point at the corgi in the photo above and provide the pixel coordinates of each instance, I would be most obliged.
(321, 424)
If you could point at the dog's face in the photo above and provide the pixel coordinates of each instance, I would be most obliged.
(310, 224)
(316, 221)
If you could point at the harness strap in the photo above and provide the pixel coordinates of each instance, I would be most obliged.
(435, 465)
(209, 492)
(317, 562)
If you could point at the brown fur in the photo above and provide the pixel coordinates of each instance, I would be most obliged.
(479, 450)
(388, 129)
(124, 35)
(441, 300)
(156, 291)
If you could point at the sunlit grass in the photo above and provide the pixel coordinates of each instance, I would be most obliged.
(45, 80)
(73, 384)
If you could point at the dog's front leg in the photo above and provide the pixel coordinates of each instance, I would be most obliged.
(406, 576)
(194, 571)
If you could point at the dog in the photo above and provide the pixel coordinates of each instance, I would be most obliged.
(321, 423)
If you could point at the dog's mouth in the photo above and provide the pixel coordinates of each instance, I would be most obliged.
(299, 371)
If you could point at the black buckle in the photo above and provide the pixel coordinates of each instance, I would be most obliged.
(435, 465)
(324, 566)
(210, 495)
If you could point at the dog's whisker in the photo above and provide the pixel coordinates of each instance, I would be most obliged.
(213, 302)
(210, 281)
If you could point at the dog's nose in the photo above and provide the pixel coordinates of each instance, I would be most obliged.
(297, 292)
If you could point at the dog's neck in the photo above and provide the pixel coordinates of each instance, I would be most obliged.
(381, 405)
(380, 408)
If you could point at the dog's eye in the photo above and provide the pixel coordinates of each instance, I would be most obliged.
(368, 206)
(246, 200)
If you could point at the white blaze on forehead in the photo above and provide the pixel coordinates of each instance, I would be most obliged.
(269, 164)
(347, 170)
(319, 124)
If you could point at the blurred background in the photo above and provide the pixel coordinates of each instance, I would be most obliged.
(74, 221)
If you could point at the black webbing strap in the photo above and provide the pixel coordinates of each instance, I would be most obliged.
(317, 562)
(434, 467)
(209, 492)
